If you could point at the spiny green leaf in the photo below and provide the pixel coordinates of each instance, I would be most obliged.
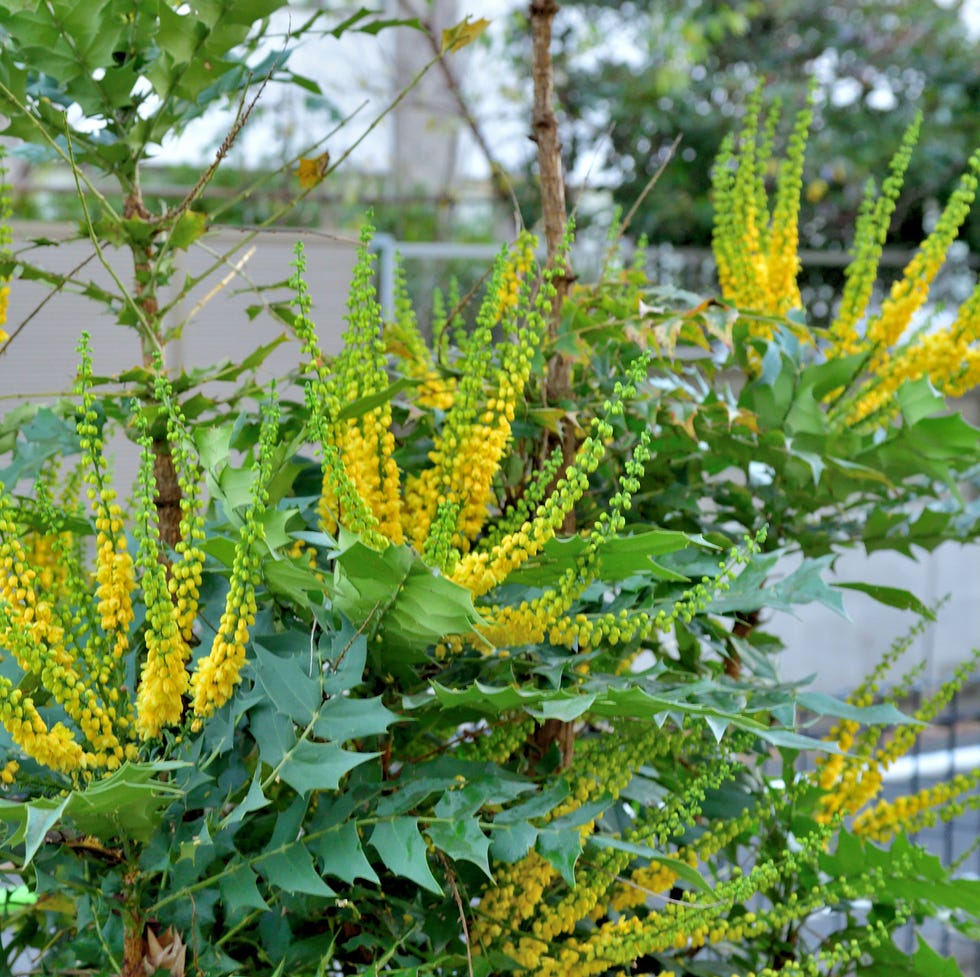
(239, 891)
(402, 849)
(513, 841)
(340, 854)
(345, 718)
(462, 839)
(287, 682)
(620, 557)
(884, 714)
(406, 600)
(319, 766)
(892, 597)
(129, 803)
(561, 848)
(292, 871)
(31, 821)
(191, 225)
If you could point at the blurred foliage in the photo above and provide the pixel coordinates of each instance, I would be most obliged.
(634, 77)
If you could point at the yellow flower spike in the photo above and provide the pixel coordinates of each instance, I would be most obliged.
(870, 234)
(32, 630)
(163, 678)
(8, 773)
(217, 674)
(757, 253)
(114, 572)
(782, 253)
(404, 340)
(468, 450)
(910, 292)
(914, 812)
(54, 748)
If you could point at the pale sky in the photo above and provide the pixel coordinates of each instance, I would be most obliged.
(355, 69)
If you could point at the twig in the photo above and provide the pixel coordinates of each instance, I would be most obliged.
(502, 187)
(47, 298)
(451, 878)
(94, 238)
(236, 269)
(242, 114)
(650, 184)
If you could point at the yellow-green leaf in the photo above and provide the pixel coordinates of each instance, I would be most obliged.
(463, 33)
(312, 171)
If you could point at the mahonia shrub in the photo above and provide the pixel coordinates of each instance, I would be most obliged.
(374, 713)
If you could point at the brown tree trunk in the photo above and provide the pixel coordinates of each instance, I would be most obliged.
(168, 494)
(558, 383)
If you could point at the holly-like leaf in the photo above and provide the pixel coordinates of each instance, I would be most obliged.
(292, 871)
(513, 841)
(129, 803)
(344, 718)
(620, 557)
(561, 848)
(408, 602)
(254, 800)
(882, 714)
(340, 854)
(681, 869)
(319, 766)
(287, 683)
(462, 839)
(239, 891)
(31, 821)
(402, 849)
(904, 600)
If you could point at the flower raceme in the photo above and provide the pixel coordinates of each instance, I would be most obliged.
(73, 630)
(757, 258)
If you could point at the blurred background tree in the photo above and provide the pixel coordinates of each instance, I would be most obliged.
(636, 76)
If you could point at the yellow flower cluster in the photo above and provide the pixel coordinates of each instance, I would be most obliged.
(404, 340)
(909, 293)
(42, 632)
(946, 356)
(756, 254)
(468, 449)
(217, 674)
(758, 263)
(853, 778)
(600, 766)
(72, 631)
(364, 443)
(913, 812)
(870, 234)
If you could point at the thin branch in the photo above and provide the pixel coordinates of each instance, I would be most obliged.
(502, 187)
(303, 194)
(631, 213)
(242, 114)
(451, 878)
(47, 298)
(650, 184)
(236, 270)
(144, 326)
(66, 157)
